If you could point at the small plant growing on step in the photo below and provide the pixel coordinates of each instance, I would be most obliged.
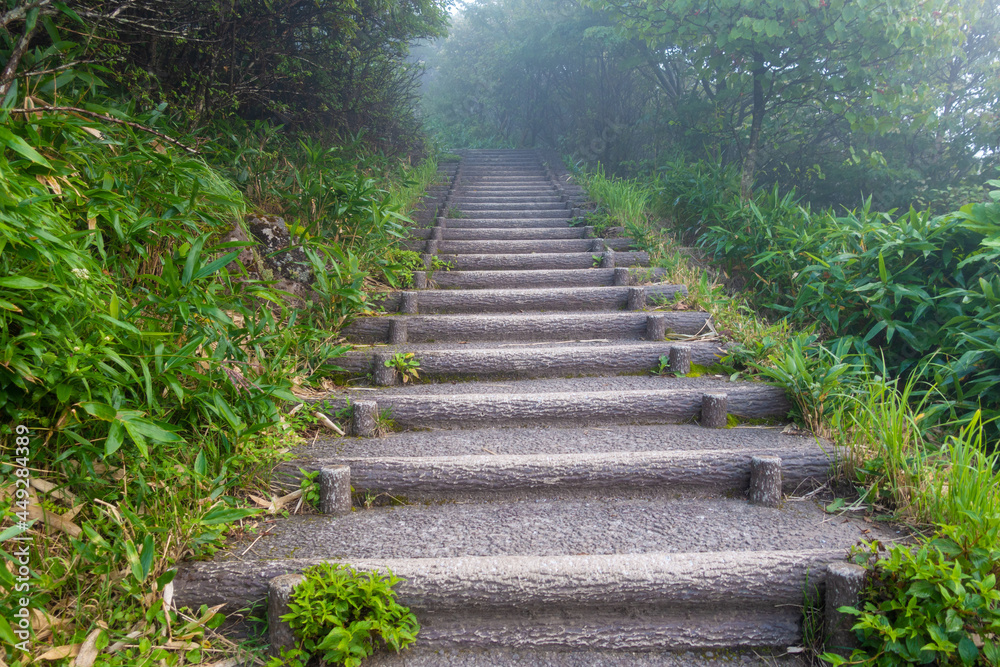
(438, 264)
(343, 616)
(597, 261)
(663, 367)
(309, 487)
(406, 364)
(455, 213)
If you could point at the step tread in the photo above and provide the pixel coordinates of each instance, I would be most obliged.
(558, 441)
(422, 656)
(611, 384)
(555, 527)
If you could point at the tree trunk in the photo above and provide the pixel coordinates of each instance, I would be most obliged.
(757, 120)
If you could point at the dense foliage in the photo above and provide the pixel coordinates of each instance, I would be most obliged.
(908, 293)
(147, 363)
(841, 100)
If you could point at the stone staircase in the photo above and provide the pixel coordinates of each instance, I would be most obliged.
(552, 502)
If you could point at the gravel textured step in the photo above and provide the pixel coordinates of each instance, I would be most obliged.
(421, 656)
(433, 408)
(533, 441)
(555, 527)
(483, 247)
(533, 362)
(502, 233)
(510, 223)
(550, 299)
(499, 214)
(534, 261)
(495, 205)
(715, 472)
(540, 189)
(524, 327)
(628, 601)
(459, 198)
(539, 279)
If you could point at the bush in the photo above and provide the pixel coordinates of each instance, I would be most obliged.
(344, 616)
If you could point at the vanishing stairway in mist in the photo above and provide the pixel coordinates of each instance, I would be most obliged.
(562, 505)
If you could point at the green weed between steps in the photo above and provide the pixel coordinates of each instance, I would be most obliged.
(405, 364)
(930, 603)
(343, 616)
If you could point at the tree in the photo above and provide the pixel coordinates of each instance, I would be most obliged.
(756, 56)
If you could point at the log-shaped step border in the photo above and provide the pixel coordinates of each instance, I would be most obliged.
(458, 198)
(487, 247)
(526, 327)
(533, 362)
(720, 472)
(549, 299)
(535, 261)
(493, 223)
(579, 408)
(505, 587)
(561, 213)
(540, 279)
(501, 233)
(473, 207)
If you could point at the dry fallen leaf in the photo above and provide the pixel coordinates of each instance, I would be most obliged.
(88, 650)
(61, 652)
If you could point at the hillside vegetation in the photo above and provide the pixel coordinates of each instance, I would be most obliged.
(147, 360)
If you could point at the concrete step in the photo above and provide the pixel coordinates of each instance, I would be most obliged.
(504, 190)
(555, 527)
(524, 327)
(555, 402)
(502, 223)
(527, 246)
(502, 233)
(495, 214)
(548, 299)
(421, 656)
(540, 279)
(520, 362)
(495, 202)
(535, 261)
(465, 178)
(474, 207)
(649, 601)
(489, 473)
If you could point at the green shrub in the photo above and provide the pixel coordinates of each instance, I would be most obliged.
(344, 616)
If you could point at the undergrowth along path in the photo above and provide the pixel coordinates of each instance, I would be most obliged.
(550, 500)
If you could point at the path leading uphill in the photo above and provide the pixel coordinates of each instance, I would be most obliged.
(562, 505)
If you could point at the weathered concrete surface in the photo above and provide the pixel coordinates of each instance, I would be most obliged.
(475, 222)
(558, 441)
(524, 328)
(420, 656)
(527, 262)
(503, 233)
(553, 298)
(571, 408)
(539, 279)
(487, 475)
(535, 362)
(485, 247)
(478, 585)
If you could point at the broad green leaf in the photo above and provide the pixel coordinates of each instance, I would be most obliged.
(20, 146)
